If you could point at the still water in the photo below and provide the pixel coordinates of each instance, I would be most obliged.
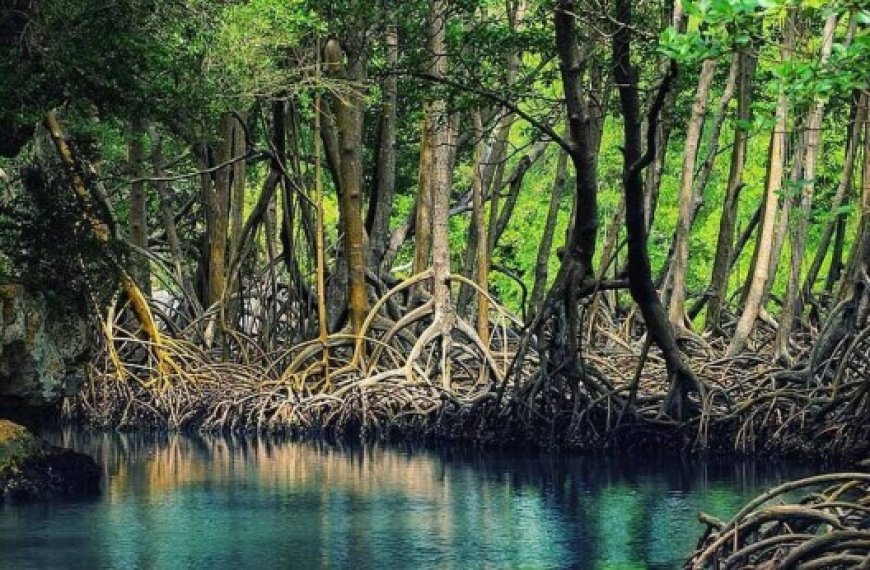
(211, 502)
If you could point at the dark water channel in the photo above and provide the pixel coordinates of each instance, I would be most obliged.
(203, 502)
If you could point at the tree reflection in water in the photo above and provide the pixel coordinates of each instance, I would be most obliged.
(185, 501)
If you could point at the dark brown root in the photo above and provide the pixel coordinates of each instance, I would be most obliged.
(411, 375)
(817, 522)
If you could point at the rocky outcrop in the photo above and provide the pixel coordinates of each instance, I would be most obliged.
(42, 349)
(32, 469)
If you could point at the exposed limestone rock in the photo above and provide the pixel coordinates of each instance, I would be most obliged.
(42, 349)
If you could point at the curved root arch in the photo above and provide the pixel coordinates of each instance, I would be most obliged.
(392, 365)
(828, 528)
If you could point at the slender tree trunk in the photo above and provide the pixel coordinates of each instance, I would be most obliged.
(793, 305)
(235, 211)
(836, 224)
(515, 184)
(479, 223)
(858, 266)
(546, 245)
(440, 139)
(239, 172)
(679, 267)
(584, 231)
(861, 278)
(703, 177)
(167, 214)
(835, 270)
(101, 231)
(742, 240)
(138, 221)
(852, 314)
(423, 210)
(758, 283)
(215, 190)
(349, 125)
(725, 241)
(490, 180)
(270, 223)
(575, 276)
(319, 243)
(493, 160)
(381, 207)
(786, 203)
(653, 179)
(641, 285)
(664, 125)
(493, 175)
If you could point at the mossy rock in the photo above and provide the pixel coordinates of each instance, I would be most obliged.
(31, 468)
(17, 444)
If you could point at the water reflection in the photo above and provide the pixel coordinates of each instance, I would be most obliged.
(202, 502)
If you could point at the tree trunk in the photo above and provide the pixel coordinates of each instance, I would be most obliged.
(641, 285)
(349, 126)
(270, 222)
(861, 278)
(381, 206)
(725, 241)
(493, 161)
(793, 305)
(852, 315)
(100, 230)
(138, 221)
(167, 214)
(758, 283)
(515, 184)
(479, 223)
(423, 209)
(653, 181)
(215, 190)
(239, 172)
(677, 308)
(546, 245)
(701, 178)
(835, 270)
(490, 175)
(575, 276)
(836, 224)
(786, 201)
(584, 232)
(440, 139)
(858, 266)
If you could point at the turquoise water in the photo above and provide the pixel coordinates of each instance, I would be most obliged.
(212, 502)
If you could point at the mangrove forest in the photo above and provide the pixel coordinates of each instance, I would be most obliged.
(595, 229)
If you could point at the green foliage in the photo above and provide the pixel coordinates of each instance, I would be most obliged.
(179, 64)
(255, 47)
(49, 246)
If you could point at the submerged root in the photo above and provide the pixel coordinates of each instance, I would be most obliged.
(828, 526)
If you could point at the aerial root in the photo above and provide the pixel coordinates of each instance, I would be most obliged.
(418, 374)
(829, 527)
(382, 378)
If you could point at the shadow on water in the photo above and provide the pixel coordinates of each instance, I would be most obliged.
(174, 501)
